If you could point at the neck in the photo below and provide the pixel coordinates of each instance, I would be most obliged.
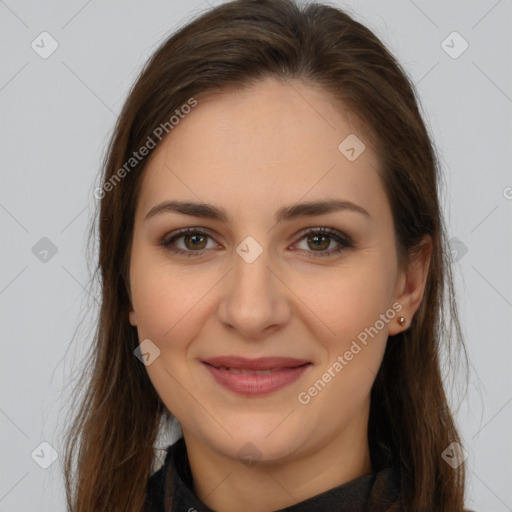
(225, 484)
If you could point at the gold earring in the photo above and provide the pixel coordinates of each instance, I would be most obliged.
(401, 320)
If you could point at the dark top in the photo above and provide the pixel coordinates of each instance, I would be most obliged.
(373, 492)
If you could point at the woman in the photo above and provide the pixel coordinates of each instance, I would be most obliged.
(274, 272)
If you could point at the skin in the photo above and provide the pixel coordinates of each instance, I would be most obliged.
(251, 152)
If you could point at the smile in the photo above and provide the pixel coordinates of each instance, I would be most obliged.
(252, 377)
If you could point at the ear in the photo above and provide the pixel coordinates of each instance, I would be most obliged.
(132, 317)
(411, 285)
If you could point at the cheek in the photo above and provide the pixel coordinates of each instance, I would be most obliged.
(166, 301)
(353, 351)
(158, 308)
(350, 299)
(351, 305)
(162, 295)
(172, 303)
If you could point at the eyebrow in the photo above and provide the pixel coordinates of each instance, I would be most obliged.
(208, 211)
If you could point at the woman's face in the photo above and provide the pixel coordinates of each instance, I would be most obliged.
(260, 281)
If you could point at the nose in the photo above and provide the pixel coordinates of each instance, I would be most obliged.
(255, 301)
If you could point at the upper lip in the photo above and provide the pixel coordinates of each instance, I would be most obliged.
(262, 363)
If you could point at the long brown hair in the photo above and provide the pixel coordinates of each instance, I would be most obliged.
(110, 445)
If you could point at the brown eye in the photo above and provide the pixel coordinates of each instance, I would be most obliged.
(194, 242)
(197, 241)
(319, 240)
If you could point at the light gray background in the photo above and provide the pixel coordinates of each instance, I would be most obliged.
(57, 114)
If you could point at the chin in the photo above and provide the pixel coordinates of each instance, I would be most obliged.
(256, 443)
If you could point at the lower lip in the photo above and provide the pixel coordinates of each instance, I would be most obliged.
(256, 384)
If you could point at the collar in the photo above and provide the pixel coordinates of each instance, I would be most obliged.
(373, 492)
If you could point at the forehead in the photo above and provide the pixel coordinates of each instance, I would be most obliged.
(274, 142)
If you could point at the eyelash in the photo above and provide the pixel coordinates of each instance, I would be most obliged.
(344, 241)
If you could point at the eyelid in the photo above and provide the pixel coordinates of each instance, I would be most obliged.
(344, 241)
(179, 233)
(339, 237)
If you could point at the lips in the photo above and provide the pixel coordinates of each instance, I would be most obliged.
(262, 364)
(255, 376)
